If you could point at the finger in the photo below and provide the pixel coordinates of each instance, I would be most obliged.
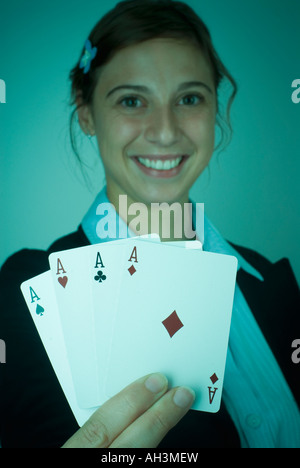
(119, 412)
(151, 427)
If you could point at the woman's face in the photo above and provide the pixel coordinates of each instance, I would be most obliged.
(153, 114)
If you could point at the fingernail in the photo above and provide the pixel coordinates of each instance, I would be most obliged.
(184, 396)
(156, 383)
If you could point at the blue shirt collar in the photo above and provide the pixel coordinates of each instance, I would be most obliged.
(212, 241)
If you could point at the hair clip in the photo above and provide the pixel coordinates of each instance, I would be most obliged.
(89, 54)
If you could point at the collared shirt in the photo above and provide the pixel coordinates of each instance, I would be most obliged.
(255, 391)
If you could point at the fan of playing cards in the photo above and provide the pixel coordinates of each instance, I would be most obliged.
(110, 313)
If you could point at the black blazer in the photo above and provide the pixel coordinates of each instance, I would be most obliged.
(33, 409)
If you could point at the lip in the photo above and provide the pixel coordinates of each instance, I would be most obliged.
(149, 171)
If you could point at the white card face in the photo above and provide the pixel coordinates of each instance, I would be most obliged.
(72, 290)
(173, 316)
(39, 295)
(105, 267)
(105, 277)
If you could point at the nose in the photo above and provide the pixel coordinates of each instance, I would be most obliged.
(162, 127)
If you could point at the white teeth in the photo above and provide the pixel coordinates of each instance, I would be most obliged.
(159, 164)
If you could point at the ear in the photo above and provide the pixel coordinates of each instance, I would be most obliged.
(85, 117)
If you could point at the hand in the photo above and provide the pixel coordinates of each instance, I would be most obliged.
(139, 416)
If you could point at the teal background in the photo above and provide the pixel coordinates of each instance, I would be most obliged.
(251, 190)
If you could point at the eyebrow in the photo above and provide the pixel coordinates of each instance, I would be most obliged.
(145, 89)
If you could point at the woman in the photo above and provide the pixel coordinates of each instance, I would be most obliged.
(146, 86)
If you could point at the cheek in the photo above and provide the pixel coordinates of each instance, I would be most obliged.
(115, 136)
(201, 130)
(128, 130)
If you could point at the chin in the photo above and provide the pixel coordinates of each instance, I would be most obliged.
(164, 195)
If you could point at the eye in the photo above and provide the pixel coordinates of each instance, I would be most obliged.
(191, 100)
(131, 102)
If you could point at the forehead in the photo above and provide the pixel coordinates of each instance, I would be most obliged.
(160, 59)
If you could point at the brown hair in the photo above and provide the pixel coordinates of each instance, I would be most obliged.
(134, 21)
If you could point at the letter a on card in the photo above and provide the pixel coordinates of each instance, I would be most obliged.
(211, 394)
(133, 255)
(99, 261)
(33, 294)
(60, 268)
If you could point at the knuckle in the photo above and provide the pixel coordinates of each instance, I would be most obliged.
(130, 403)
(160, 424)
(95, 433)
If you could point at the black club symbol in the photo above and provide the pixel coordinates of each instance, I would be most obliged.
(100, 276)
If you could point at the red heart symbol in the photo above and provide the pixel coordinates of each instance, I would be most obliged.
(63, 281)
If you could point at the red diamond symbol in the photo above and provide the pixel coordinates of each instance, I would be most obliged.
(172, 323)
(132, 270)
(214, 378)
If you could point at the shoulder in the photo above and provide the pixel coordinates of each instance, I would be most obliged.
(27, 263)
(256, 259)
(279, 287)
(71, 241)
(19, 267)
(27, 361)
(265, 267)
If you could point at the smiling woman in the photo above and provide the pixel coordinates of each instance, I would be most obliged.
(153, 112)
(147, 85)
(150, 98)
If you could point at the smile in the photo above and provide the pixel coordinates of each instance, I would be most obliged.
(160, 166)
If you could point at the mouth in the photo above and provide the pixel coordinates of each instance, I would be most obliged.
(162, 165)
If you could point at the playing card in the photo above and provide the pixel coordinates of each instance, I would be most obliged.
(39, 295)
(105, 273)
(74, 274)
(173, 316)
(105, 297)
(72, 290)
(104, 281)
